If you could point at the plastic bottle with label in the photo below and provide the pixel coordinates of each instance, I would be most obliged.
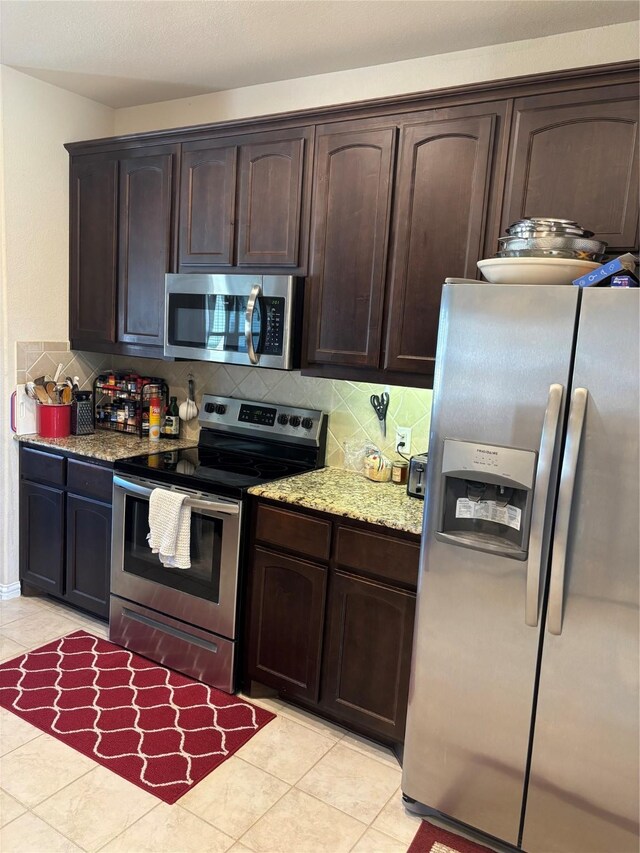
(155, 408)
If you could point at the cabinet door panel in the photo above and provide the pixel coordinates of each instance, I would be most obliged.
(350, 225)
(145, 246)
(368, 654)
(93, 251)
(42, 536)
(88, 554)
(443, 184)
(287, 616)
(270, 201)
(207, 204)
(578, 161)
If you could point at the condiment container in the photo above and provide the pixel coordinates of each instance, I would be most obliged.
(155, 409)
(171, 426)
(400, 472)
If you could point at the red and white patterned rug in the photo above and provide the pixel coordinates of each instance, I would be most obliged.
(154, 727)
(433, 839)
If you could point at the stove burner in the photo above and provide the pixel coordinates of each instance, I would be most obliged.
(238, 464)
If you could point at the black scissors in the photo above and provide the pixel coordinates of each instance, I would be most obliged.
(380, 405)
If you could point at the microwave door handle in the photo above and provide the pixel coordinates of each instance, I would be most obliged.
(563, 513)
(248, 323)
(537, 544)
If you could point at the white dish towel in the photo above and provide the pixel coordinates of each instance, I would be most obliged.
(170, 528)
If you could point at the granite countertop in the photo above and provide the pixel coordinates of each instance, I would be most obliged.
(347, 493)
(107, 445)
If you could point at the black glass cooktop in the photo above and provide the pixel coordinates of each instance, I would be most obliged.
(226, 466)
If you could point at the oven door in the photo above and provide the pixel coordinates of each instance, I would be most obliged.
(204, 595)
(238, 319)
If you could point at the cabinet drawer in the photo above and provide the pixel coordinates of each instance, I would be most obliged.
(41, 466)
(91, 480)
(294, 531)
(392, 559)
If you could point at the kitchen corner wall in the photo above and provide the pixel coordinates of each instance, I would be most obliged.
(351, 417)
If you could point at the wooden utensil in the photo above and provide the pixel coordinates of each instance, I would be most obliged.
(50, 388)
(42, 395)
(66, 395)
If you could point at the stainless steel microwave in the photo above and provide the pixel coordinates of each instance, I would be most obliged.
(236, 319)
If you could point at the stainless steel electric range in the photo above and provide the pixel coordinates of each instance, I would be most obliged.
(188, 619)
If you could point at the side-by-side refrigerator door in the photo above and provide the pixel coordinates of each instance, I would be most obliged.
(583, 788)
(502, 367)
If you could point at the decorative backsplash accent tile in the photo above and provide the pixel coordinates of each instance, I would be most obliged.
(351, 417)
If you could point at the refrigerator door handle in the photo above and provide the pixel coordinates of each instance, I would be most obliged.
(563, 513)
(537, 549)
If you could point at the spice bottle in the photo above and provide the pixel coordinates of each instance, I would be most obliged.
(155, 408)
(172, 420)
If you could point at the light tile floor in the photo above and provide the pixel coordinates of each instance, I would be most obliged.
(300, 785)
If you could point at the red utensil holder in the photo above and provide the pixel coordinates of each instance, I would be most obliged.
(53, 421)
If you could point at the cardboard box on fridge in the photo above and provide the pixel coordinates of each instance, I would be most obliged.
(625, 263)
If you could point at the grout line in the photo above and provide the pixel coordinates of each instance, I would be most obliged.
(132, 824)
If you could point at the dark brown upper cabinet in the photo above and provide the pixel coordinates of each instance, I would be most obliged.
(366, 311)
(575, 156)
(441, 221)
(93, 255)
(145, 247)
(349, 237)
(244, 201)
(207, 203)
(121, 246)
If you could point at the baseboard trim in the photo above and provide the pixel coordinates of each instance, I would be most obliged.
(9, 590)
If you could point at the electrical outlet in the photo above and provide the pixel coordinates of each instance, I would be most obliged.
(403, 434)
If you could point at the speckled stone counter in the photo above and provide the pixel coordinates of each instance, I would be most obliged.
(107, 445)
(346, 493)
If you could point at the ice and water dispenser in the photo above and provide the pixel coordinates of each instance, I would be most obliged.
(487, 493)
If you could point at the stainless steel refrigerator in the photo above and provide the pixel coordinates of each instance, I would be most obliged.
(523, 705)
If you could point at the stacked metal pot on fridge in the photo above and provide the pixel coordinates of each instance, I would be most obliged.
(539, 237)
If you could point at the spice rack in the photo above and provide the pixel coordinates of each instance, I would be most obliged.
(121, 402)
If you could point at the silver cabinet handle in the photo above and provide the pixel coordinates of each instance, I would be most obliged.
(248, 322)
(563, 512)
(538, 545)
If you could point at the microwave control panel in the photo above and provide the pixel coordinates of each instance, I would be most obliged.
(274, 310)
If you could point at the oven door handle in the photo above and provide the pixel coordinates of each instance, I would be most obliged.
(194, 503)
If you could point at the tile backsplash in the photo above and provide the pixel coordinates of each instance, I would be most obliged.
(351, 417)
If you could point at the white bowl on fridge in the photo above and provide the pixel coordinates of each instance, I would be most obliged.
(535, 270)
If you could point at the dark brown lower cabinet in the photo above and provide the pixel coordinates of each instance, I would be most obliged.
(42, 536)
(65, 535)
(88, 554)
(330, 620)
(287, 614)
(368, 653)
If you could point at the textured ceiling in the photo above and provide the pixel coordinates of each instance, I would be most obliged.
(128, 52)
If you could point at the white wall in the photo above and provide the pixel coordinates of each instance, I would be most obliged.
(617, 42)
(36, 120)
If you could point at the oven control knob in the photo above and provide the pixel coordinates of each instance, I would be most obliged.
(283, 420)
(209, 408)
(307, 423)
(294, 421)
(220, 408)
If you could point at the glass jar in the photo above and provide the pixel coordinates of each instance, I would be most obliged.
(400, 472)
